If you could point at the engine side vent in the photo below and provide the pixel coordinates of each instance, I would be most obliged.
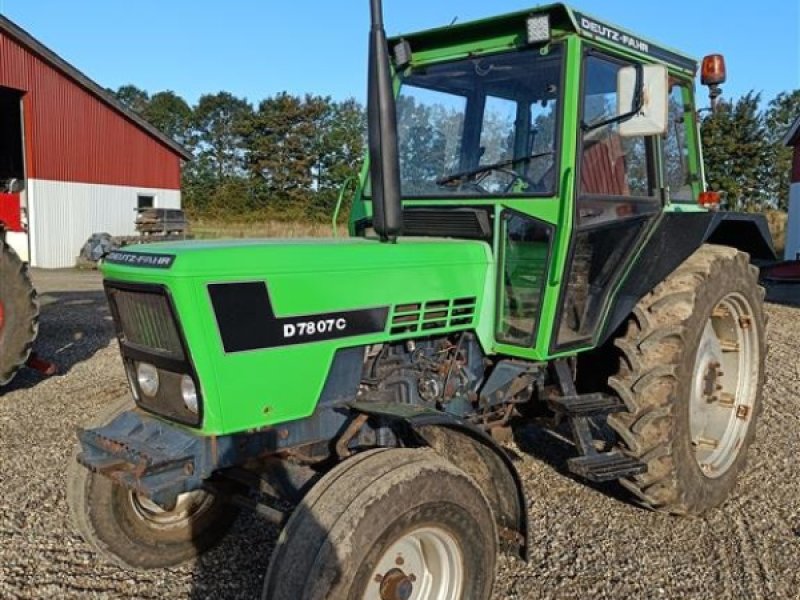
(433, 315)
(463, 223)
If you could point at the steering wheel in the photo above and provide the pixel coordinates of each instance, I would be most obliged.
(515, 177)
(474, 184)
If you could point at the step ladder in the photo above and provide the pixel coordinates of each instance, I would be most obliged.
(578, 409)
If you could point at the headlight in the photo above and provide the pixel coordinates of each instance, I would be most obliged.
(147, 377)
(130, 371)
(538, 28)
(189, 393)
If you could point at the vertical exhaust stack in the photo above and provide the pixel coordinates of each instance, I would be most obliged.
(382, 121)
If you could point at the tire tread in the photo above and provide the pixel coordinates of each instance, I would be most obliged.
(22, 309)
(652, 349)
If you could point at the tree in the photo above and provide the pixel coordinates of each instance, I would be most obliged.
(280, 147)
(426, 152)
(780, 115)
(302, 150)
(220, 121)
(132, 97)
(338, 149)
(214, 182)
(171, 114)
(737, 154)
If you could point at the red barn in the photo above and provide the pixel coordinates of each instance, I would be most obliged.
(83, 161)
(792, 140)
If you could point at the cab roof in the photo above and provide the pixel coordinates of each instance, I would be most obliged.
(563, 20)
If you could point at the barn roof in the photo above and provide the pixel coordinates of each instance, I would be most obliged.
(793, 137)
(25, 39)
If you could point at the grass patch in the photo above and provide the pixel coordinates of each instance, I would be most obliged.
(206, 229)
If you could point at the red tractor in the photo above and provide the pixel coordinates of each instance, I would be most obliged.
(19, 307)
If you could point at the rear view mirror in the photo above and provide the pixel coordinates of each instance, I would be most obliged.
(642, 97)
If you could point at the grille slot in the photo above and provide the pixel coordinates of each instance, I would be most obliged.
(432, 315)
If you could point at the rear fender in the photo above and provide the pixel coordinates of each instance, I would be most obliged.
(675, 237)
(472, 451)
(744, 231)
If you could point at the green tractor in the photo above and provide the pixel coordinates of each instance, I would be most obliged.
(531, 242)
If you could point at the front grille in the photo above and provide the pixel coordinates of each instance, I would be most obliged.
(146, 321)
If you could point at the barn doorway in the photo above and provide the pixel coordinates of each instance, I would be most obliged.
(12, 156)
(13, 194)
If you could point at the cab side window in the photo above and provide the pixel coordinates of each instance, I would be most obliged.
(677, 176)
(611, 165)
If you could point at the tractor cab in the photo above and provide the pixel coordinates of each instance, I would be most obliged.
(558, 140)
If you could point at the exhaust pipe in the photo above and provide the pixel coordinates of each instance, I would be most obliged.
(387, 214)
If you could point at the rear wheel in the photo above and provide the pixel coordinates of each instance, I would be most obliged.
(691, 374)
(130, 530)
(398, 524)
(19, 313)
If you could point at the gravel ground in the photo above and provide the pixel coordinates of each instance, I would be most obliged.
(587, 541)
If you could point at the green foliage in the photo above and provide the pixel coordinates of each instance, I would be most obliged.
(744, 152)
(425, 152)
(133, 97)
(289, 158)
(339, 150)
(172, 115)
(778, 119)
(280, 142)
(220, 122)
(737, 153)
(286, 160)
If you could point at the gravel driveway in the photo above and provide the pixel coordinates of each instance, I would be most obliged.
(587, 541)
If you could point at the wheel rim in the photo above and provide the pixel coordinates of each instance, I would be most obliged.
(188, 508)
(724, 385)
(424, 564)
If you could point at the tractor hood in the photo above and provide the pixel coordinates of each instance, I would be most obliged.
(263, 319)
(300, 255)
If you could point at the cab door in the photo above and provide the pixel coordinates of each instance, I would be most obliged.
(617, 197)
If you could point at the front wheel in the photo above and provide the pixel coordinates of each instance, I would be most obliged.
(398, 524)
(134, 532)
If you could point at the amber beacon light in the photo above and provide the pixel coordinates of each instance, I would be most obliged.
(713, 71)
(713, 74)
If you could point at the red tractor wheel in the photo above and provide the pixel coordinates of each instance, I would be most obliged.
(19, 313)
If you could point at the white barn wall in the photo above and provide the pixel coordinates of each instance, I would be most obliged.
(792, 251)
(63, 215)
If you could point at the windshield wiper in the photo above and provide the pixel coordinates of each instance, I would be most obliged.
(490, 167)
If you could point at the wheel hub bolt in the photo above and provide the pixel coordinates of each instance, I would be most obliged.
(711, 380)
(396, 585)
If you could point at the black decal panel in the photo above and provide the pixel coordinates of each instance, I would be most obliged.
(247, 321)
(135, 259)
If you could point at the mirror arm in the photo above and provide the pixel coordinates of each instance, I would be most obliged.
(636, 105)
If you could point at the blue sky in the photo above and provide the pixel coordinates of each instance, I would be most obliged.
(255, 48)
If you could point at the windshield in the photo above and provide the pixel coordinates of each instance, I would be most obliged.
(481, 126)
